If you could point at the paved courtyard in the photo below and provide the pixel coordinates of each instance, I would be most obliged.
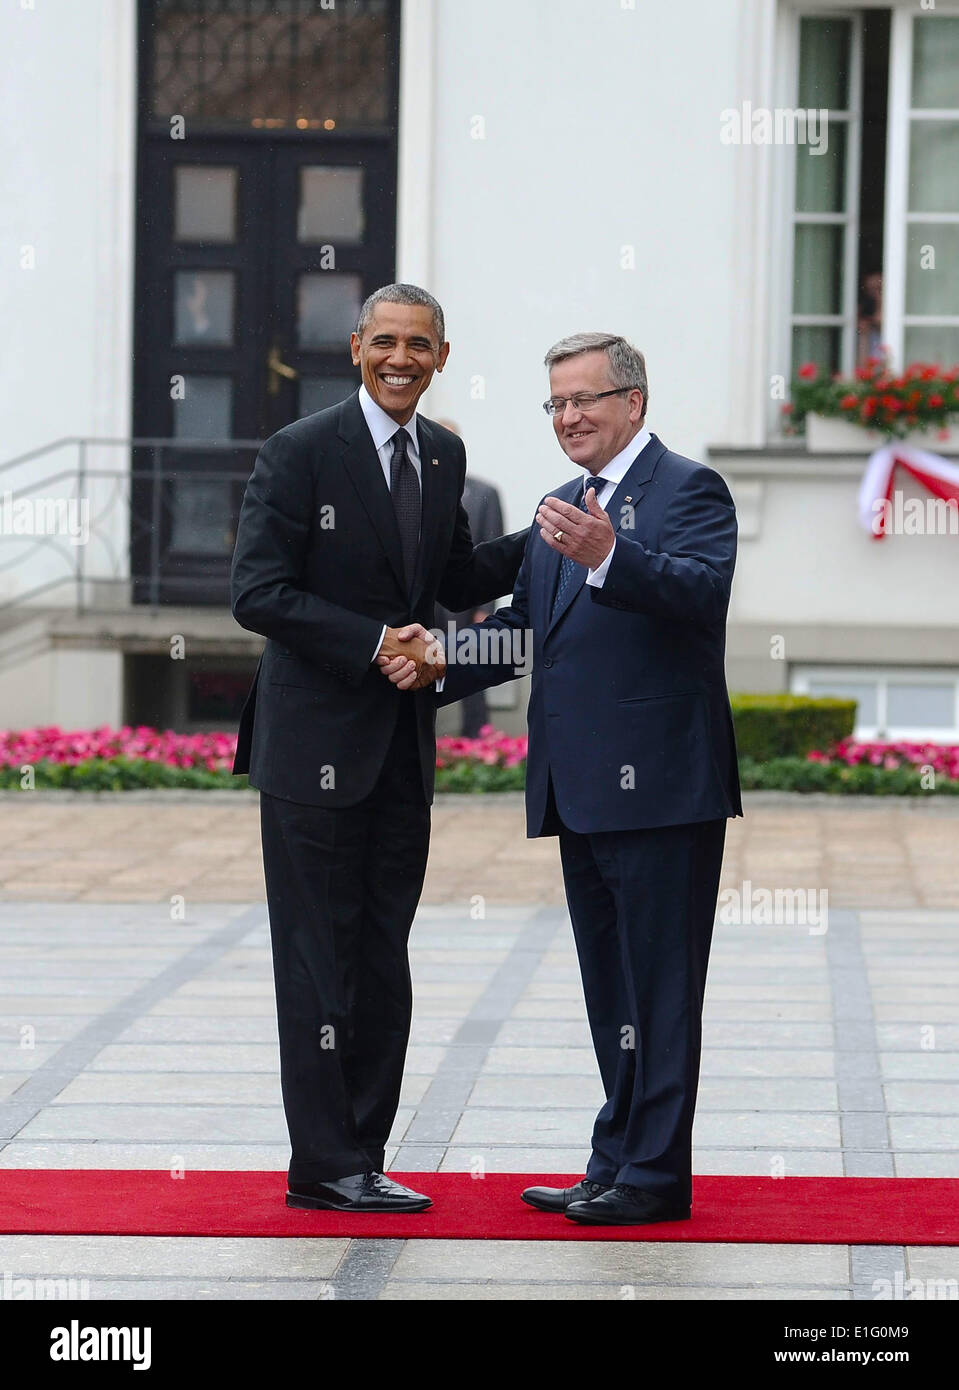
(137, 1029)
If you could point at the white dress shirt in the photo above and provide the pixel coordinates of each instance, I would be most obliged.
(615, 471)
(383, 427)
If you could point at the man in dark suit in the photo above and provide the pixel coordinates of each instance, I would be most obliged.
(481, 502)
(632, 758)
(351, 527)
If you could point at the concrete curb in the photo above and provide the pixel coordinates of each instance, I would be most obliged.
(486, 801)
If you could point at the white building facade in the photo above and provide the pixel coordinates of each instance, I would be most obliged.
(196, 194)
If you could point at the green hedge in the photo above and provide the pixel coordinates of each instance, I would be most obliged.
(120, 775)
(777, 774)
(798, 775)
(789, 726)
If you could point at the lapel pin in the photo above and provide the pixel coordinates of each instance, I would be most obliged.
(435, 463)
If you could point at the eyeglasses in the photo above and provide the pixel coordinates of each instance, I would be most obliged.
(583, 400)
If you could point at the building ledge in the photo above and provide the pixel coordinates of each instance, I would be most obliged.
(137, 630)
(791, 460)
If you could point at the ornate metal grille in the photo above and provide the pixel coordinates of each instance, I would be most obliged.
(273, 64)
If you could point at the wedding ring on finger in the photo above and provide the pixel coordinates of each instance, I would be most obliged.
(558, 536)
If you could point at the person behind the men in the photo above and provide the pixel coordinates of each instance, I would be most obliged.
(351, 528)
(632, 758)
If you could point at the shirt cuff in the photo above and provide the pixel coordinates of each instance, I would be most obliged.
(597, 577)
(378, 645)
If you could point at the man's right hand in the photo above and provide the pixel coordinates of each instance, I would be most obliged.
(411, 656)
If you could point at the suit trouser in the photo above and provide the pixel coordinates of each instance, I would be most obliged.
(642, 904)
(342, 887)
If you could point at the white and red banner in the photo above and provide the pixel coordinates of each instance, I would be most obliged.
(877, 507)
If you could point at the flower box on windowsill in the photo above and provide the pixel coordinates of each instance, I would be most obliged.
(826, 434)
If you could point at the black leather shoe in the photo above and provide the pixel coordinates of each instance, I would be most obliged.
(624, 1205)
(359, 1192)
(559, 1198)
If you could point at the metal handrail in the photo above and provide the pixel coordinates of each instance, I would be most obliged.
(156, 473)
(146, 441)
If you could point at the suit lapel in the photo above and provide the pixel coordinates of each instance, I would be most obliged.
(628, 493)
(621, 511)
(363, 465)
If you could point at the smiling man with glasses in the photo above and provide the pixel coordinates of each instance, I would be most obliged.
(632, 760)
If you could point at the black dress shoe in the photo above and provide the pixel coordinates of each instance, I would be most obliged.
(559, 1198)
(359, 1192)
(624, 1205)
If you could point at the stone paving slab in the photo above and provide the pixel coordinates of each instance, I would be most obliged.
(868, 852)
(625, 1262)
(410, 1289)
(89, 1257)
(129, 1038)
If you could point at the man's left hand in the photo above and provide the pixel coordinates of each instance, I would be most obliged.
(586, 537)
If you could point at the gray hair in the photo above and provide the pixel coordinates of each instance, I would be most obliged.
(627, 365)
(401, 294)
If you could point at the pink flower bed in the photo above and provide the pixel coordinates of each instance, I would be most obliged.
(942, 757)
(211, 751)
(214, 751)
(492, 747)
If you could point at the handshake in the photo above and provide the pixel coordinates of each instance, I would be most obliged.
(411, 657)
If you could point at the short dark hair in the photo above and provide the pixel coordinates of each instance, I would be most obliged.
(402, 294)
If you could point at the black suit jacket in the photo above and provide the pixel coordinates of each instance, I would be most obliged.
(628, 712)
(318, 570)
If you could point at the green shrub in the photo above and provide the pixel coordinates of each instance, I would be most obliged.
(798, 775)
(788, 774)
(473, 776)
(789, 726)
(120, 775)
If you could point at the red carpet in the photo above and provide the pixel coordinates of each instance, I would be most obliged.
(145, 1202)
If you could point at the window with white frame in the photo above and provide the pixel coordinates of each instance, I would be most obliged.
(895, 704)
(873, 238)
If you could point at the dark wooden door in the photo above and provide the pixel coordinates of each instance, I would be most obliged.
(256, 245)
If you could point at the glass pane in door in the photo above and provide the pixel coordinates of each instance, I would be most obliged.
(317, 392)
(327, 307)
(932, 280)
(821, 177)
(817, 274)
(933, 161)
(203, 308)
(819, 344)
(331, 205)
(935, 63)
(932, 344)
(206, 410)
(204, 202)
(825, 50)
(201, 521)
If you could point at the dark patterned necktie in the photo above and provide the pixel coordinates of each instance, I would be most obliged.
(566, 565)
(405, 491)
